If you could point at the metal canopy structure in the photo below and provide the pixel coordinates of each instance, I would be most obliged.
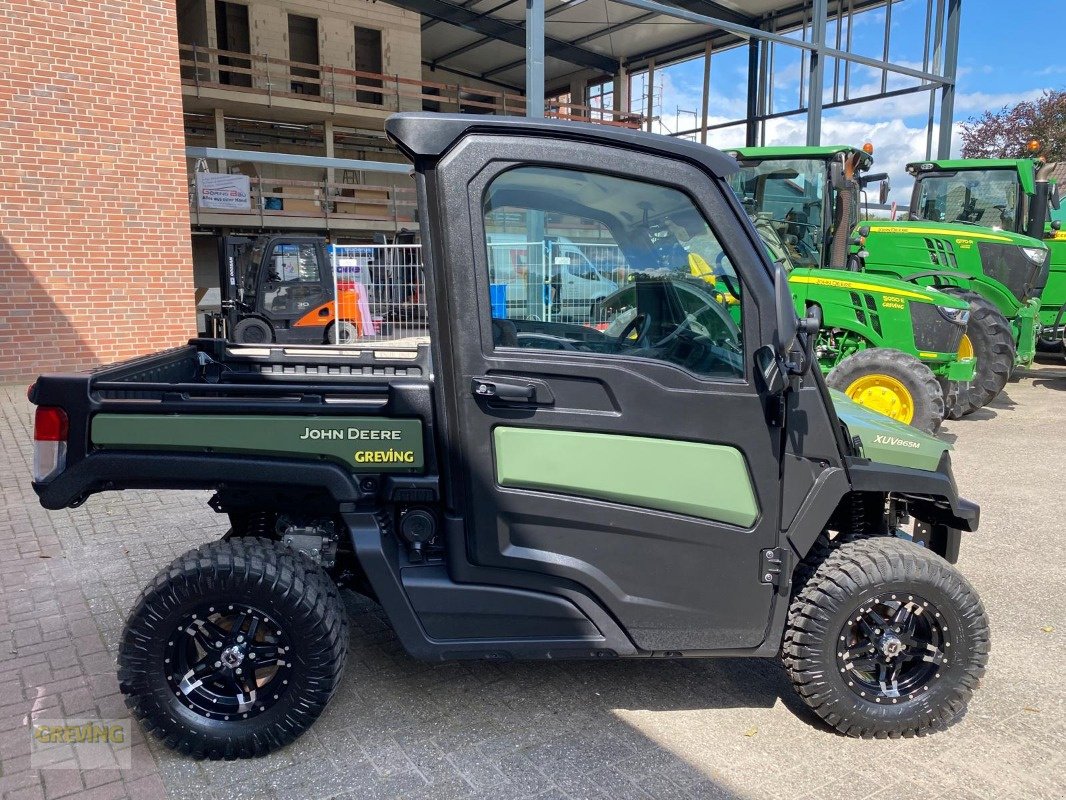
(585, 42)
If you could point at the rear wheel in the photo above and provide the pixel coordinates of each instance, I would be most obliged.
(893, 383)
(342, 332)
(990, 337)
(886, 639)
(234, 649)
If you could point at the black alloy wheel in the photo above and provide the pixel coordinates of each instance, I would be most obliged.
(893, 648)
(228, 662)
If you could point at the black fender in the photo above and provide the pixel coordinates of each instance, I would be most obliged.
(932, 499)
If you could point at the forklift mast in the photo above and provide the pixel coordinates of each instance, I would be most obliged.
(229, 279)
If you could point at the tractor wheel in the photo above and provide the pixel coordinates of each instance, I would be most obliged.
(252, 330)
(989, 334)
(234, 649)
(896, 384)
(342, 332)
(886, 639)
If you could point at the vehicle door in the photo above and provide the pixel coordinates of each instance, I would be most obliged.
(637, 465)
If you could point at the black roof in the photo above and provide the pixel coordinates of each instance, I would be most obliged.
(422, 134)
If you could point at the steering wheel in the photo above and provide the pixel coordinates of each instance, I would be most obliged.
(731, 329)
(640, 324)
(723, 273)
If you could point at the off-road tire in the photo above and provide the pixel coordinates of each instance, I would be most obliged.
(342, 333)
(298, 596)
(994, 348)
(925, 390)
(252, 330)
(866, 571)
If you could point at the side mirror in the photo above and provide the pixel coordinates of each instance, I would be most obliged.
(882, 194)
(770, 370)
(836, 175)
(787, 322)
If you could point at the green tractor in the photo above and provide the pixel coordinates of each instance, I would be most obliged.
(890, 345)
(997, 272)
(1013, 195)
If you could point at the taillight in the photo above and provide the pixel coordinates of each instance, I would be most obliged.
(50, 429)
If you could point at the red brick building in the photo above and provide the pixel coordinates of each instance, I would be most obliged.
(94, 217)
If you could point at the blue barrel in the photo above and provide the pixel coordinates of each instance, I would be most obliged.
(498, 300)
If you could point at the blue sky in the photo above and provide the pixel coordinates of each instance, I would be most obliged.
(1002, 61)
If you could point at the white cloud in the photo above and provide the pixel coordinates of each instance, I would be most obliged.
(979, 102)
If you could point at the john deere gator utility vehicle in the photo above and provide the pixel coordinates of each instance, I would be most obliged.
(891, 345)
(531, 488)
(1013, 195)
(986, 268)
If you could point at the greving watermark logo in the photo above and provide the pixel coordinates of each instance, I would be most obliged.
(81, 743)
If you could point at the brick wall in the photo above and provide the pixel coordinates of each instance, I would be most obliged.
(95, 257)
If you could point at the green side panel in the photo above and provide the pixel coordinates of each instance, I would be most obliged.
(887, 441)
(702, 480)
(362, 444)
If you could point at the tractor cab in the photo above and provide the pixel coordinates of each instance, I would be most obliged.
(805, 197)
(1012, 196)
(1005, 194)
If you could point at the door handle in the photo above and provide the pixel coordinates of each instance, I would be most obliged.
(502, 391)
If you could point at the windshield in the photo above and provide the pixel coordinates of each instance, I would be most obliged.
(788, 196)
(979, 197)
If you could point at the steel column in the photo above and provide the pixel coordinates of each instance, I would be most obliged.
(951, 68)
(649, 105)
(751, 135)
(534, 58)
(706, 92)
(816, 87)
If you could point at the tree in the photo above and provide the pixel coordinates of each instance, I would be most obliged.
(1004, 133)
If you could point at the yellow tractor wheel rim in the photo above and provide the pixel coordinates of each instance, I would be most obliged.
(883, 394)
(965, 347)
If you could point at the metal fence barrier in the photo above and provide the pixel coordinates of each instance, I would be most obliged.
(381, 295)
(380, 289)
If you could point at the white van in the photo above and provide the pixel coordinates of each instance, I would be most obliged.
(568, 271)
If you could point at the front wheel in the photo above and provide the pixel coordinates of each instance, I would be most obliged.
(893, 383)
(253, 330)
(990, 339)
(886, 639)
(234, 649)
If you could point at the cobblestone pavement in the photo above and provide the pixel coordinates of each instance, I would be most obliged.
(400, 728)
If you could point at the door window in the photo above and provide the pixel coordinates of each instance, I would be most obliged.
(584, 262)
(294, 279)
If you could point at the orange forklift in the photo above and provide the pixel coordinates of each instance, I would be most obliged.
(278, 288)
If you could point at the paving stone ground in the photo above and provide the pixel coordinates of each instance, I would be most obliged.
(398, 728)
